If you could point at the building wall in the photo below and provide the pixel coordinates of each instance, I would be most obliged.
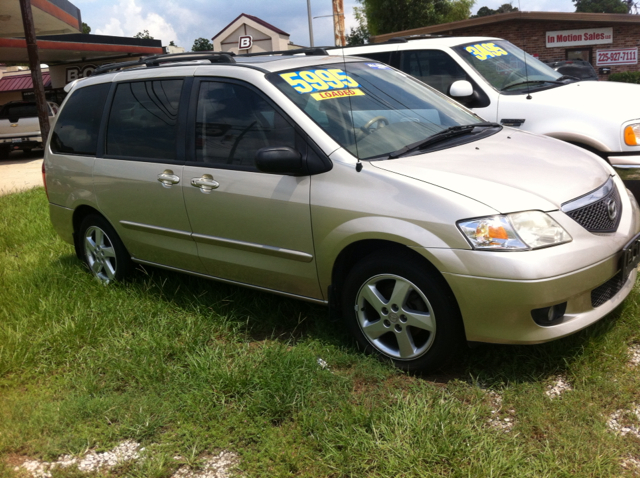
(264, 39)
(531, 37)
(63, 74)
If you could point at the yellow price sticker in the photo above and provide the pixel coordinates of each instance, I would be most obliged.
(482, 51)
(308, 81)
(326, 95)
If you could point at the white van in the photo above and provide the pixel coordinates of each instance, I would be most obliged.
(502, 83)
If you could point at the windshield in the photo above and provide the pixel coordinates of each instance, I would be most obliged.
(503, 66)
(369, 108)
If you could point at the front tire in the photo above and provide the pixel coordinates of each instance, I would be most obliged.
(102, 250)
(402, 310)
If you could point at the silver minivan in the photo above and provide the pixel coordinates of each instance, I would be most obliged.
(341, 182)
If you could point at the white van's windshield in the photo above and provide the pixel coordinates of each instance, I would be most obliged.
(369, 108)
(507, 68)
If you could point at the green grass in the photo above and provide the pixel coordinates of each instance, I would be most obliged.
(191, 367)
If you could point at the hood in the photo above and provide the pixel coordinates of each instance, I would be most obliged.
(509, 171)
(607, 100)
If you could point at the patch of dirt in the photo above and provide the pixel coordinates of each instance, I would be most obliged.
(557, 388)
(632, 464)
(218, 466)
(221, 465)
(503, 420)
(91, 462)
(634, 356)
(621, 422)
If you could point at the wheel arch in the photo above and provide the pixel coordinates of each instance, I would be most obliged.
(358, 250)
(79, 214)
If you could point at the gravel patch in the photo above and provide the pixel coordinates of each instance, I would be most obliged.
(619, 422)
(558, 387)
(498, 419)
(90, 462)
(631, 463)
(218, 466)
(634, 356)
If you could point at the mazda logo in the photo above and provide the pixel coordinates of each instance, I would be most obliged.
(612, 209)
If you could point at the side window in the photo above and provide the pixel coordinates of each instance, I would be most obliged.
(383, 57)
(233, 122)
(143, 119)
(436, 68)
(76, 130)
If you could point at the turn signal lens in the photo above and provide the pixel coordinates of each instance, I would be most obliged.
(632, 135)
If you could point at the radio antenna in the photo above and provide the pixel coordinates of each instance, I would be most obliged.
(524, 49)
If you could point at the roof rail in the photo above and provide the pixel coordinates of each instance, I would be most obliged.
(298, 51)
(157, 60)
(412, 37)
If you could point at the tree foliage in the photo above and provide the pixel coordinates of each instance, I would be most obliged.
(603, 6)
(202, 44)
(359, 35)
(144, 34)
(386, 16)
(504, 8)
(86, 28)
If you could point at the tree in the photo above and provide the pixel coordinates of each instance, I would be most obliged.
(359, 35)
(603, 6)
(86, 28)
(504, 8)
(386, 16)
(172, 43)
(144, 34)
(201, 44)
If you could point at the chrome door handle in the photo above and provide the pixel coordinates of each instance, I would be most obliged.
(206, 183)
(168, 179)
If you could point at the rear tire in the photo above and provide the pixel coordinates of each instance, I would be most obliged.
(403, 311)
(4, 152)
(102, 250)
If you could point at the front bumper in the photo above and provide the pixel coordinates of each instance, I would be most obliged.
(19, 142)
(499, 311)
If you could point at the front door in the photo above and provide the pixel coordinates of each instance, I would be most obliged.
(250, 227)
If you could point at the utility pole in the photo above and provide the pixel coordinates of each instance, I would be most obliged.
(310, 23)
(34, 65)
(338, 22)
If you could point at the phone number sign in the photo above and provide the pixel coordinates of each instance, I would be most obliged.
(623, 56)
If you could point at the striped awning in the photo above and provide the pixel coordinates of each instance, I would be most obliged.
(22, 82)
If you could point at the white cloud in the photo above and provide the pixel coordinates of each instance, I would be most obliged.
(127, 19)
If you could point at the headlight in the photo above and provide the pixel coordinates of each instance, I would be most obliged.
(514, 232)
(632, 135)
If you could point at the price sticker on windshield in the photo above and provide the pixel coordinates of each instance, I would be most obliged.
(313, 81)
(482, 51)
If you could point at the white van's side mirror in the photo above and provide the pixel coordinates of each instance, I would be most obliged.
(460, 89)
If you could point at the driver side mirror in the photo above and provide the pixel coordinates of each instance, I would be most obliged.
(460, 89)
(280, 160)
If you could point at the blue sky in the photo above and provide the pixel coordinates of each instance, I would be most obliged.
(187, 20)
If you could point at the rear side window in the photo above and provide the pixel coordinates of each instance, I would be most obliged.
(78, 124)
(143, 119)
(436, 68)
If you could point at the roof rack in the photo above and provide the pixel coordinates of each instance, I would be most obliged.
(157, 60)
(298, 51)
(412, 37)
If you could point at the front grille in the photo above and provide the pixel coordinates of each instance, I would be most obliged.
(606, 291)
(598, 211)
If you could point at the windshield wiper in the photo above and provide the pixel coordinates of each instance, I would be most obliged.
(568, 77)
(440, 136)
(555, 82)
